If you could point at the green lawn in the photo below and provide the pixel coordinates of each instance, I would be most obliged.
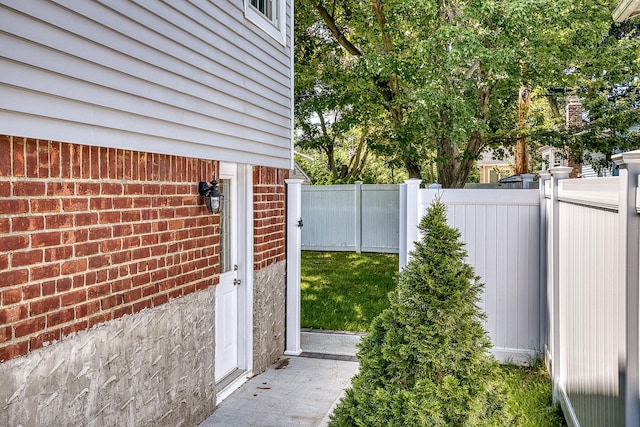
(345, 291)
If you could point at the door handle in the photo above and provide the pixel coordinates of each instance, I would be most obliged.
(237, 282)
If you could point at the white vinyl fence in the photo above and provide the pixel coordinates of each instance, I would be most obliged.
(561, 273)
(356, 217)
(500, 229)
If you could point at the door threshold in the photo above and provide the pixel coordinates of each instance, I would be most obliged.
(230, 383)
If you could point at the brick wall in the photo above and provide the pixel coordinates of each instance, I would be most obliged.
(90, 234)
(269, 195)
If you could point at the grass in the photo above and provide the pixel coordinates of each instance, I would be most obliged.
(345, 291)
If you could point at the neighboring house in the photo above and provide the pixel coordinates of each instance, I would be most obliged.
(493, 169)
(123, 301)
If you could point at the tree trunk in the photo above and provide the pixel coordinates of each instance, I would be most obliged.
(524, 102)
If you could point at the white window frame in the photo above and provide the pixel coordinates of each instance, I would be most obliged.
(277, 27)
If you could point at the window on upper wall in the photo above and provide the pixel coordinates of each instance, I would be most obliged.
(268, 15)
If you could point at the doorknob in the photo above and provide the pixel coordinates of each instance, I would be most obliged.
(237, 282)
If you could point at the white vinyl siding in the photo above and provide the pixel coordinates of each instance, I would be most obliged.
(194, 78)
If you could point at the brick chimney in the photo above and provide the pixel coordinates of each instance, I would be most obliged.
(573, 119)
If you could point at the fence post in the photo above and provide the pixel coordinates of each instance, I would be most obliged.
(409, 219)
(294, 228)
(543, 177)
(557, 173)
(527, 180)
(629, 221)
(358, 216)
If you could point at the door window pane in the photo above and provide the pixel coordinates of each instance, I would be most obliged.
(226, 263)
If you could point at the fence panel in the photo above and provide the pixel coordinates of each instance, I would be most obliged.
(501, 230)
(328, 213)
(380, 215)
(355, 217)
(591, 302)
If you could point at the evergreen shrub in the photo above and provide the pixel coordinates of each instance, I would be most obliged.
(425, 360)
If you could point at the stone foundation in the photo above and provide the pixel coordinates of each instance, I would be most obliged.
(269, 288)
(151, 368)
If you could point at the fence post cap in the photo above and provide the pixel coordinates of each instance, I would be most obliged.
(294, 181)
(413, 181)
(545, 174)
(561, 172)
(626, 158)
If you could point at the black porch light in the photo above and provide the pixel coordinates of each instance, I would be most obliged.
(212, 197)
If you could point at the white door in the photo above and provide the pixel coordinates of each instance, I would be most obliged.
(226, 309)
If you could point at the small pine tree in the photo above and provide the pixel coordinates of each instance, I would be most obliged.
(426, 360)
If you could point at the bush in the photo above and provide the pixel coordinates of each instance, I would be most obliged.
(426, 360)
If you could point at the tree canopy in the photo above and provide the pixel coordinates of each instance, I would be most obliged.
(430, 84)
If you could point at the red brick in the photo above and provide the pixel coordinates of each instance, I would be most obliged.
(73, 297)
(141, 305)
(30, 326)
(60, 188)
(76, 327)
(20, 259)
(109, 217)
(11, 351)
(86, 162)
(110, 301)
(48, 288)
(111, 245)
(101, 318)
(30, 291)
(39, 240)
(88, 189)
(5, 225)
(14, 277)
(5, 189)
(133, 189)
(32, 158)
(75, 151)
(122, 230)
(131, 216)
(59, 221)
(75, 204)
(110, 189)
(120, 257)
(122, 202)
(59, 317)
(27, 223)
(45, 338)
(73, 267)
(86, 219)
(94, 159)
(54, 159)
(62, 285)
(44, 305)
(11, 296)
(58, 253)
(99, 233)
(88, 309)
(133, 295)
(43, 159)
(14, 206)
(99, 261)
(160, 299)
(45, 272)
(45, 205)
(5, 333)
(142, 202)
(99, 290)
(19, 164)
(29, 189)
(120, 164)
(121, 311)
(151, 189)
(101, 203)
(5, 155)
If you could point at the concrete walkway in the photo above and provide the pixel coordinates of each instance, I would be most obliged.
(296, 391)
